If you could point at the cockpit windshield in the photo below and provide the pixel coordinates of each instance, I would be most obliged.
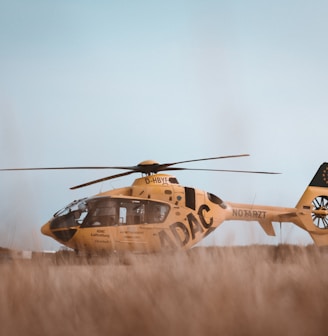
(72, 207)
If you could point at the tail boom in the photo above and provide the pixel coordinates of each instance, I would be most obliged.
(310, 213)
(264, 215)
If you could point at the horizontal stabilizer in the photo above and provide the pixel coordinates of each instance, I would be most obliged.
(267, 227)
(287, 216)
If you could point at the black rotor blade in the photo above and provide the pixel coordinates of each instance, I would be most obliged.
(163, 166)
(66, 168)
(102, 180)
(224, 170)
(138, 168)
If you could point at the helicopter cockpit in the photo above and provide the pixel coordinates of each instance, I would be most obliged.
(106, 211)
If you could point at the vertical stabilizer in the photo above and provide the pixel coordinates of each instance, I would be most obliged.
(320, 179)
(313, 207)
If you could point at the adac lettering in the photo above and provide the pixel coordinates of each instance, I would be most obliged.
(180, 231)
(100, 233)
(256, 214)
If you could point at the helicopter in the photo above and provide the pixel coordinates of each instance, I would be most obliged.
(156, 213)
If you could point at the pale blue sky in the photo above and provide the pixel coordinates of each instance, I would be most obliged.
(116, 83)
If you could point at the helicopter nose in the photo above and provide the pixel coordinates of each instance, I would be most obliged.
(45, 229)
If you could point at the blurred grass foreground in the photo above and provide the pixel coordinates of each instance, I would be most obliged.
(251, 290)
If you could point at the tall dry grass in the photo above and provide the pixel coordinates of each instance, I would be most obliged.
(255, 290)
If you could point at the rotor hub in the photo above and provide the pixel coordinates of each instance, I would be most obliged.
(148, 163)
(148, 167)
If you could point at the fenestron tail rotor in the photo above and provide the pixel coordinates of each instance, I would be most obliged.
(145, 167)
(320, 212)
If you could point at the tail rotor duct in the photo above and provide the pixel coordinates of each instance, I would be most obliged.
(320, 212)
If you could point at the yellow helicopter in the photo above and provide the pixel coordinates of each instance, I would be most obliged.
(156, 213)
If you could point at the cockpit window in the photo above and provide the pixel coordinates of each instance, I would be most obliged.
(107, 211)
(131, 212)
(101, 212)
(110, 212)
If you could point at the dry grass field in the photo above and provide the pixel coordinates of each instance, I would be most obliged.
(253, 290)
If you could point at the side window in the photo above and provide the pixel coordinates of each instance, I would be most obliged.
(132, 212)
(111, 212)
(157, 212)
(101, 213)
(123, 213)
(138, 213)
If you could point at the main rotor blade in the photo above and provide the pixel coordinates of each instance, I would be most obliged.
(65, 168)
(102, 180)
(137, 168)
(165, 165)
(152, 168)
(225, 170)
